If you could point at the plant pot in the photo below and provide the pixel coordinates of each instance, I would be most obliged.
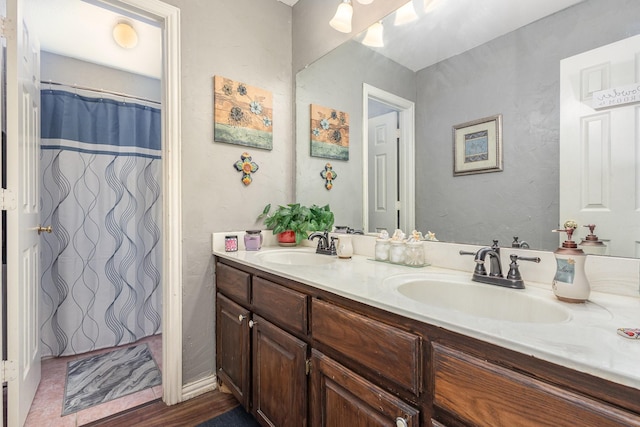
(287, 238)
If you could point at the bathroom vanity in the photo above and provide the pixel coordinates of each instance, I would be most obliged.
(306, 340)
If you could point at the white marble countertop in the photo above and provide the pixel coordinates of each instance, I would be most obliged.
(587, 341)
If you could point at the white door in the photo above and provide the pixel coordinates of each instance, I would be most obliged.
(591, 140)
(383, 172)
(23, 249)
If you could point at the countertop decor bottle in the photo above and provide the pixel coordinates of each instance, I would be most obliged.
(345, 248)
(570, 283)
(396, 251)
(414, 254)
(591, 244)
(253, 240)
(382, 249)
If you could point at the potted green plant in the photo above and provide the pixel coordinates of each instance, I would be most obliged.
(293, 222)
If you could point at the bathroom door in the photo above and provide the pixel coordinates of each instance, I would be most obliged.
(383, 172)
(599, 158)
(23, 240)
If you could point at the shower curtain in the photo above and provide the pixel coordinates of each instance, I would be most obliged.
(100, 191)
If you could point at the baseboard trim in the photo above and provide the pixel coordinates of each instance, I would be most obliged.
(201, 386)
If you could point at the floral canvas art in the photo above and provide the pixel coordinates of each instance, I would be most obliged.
(329, 133)
(243, 114)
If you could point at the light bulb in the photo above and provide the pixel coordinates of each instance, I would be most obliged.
(365, 1)
(405, 14)
(374, 37)
(342, 19)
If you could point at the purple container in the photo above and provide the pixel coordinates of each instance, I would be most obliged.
(253, 240)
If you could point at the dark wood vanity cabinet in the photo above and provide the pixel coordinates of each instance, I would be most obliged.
(233, 347)
(313, 358)
(259, 360)
(340, 397)
(279, 376)
(479, 392)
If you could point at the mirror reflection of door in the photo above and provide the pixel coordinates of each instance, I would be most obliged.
(389, 166)
(383, 167)
(592, 191)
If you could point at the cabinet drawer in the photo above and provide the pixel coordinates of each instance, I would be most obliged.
(390, 352)
(481, 393)
(233, 283)
(284, 307)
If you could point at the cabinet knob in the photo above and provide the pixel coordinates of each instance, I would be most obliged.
(241, 317)
(252, 323)
(401, 422)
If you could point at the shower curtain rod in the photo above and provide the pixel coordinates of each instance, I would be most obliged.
(75, 86)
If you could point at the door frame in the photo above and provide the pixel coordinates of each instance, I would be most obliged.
(406, 155)
(169, 19)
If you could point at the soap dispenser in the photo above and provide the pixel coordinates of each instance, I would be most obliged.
(591, 244)
(570, 283)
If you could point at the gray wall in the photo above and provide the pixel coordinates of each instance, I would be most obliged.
(517, 76)
(248, 41)
(62, 69)
(336, 82)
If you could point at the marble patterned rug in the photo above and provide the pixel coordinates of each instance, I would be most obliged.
(104, 377)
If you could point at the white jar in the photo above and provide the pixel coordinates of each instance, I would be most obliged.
(396, 252)
(414, 254)
(382, 250)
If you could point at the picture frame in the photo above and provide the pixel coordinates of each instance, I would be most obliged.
(477, 146)
(329, 133)
(243, 114)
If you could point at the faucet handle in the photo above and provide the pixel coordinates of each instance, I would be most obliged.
(514, 271)
(332, 246)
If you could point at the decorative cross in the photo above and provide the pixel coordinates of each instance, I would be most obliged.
(329, 175)
(246, 166)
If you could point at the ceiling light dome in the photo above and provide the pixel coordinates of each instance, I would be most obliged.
(125, 35)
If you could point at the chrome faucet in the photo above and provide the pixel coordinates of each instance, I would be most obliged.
(495, 276)
(324, 246)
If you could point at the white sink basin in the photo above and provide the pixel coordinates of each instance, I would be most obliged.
(293, 257)
(481, 300)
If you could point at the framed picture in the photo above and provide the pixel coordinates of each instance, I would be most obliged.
(329, 133)
(243, 114)
(477, 146)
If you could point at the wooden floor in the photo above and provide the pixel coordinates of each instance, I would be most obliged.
(186, 414)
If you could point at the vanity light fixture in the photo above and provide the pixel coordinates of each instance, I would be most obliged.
(125, 35)
(405, 14)
(374, 34)
(341, 21)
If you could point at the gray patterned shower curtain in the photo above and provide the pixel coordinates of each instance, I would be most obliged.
(101, 266)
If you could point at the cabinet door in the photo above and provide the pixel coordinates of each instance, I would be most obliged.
(339, 397)
(279, 376)
(232, 342)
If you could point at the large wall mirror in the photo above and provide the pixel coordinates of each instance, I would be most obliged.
(457, 64)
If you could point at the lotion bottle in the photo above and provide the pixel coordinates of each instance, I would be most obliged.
(570, 283)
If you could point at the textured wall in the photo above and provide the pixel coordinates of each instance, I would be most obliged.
(248, 41)
(516, 75)
(321, 84)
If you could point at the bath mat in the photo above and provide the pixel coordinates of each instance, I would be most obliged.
(104, 377)
(236, 417)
